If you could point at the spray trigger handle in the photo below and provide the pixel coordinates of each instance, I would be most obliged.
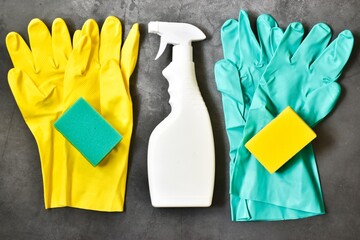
(175, 34)
(162, 47)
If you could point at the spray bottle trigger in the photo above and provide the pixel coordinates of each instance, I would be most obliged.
(162, 47)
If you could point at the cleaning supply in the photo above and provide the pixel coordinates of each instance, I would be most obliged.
(48, 79)
(237, 77)
(181, 156)
(302, 75)
(236, 80)
(280, 140)
(88, 131)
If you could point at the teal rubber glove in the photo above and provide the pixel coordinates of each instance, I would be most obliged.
(238, 74)
(303, 77)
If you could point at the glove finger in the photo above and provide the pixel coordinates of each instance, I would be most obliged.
(19, 52)
(91, 29)
(61, 42)
(228, 80)
(269, 34)
(276, 37)
(80, 57)
(230, 40)
(41, 44)
(110, 40)
(319, 103)
(249, 47)
(290, 41)
(75, 82)
(76, 37)
(333, 59)
(129, 54)
(25, 91)
(314, 44)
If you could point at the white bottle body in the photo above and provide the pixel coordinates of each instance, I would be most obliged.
(181, 154)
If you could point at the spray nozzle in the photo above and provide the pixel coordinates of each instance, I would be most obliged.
(175, 34)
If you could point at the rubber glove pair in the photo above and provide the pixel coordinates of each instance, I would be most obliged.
(48, 78)
(257, 82)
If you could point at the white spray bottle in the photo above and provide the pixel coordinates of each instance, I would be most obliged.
(181, 155)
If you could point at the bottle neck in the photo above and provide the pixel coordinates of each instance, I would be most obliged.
(182, 53)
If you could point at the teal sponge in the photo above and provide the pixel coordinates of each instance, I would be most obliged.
(88, 131)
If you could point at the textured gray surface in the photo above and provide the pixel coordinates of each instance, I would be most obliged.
(22, 213)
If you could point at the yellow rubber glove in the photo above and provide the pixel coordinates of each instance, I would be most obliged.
(94, 73)
(37, 85)
(98, 73)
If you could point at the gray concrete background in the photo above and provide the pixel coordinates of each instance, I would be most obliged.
(22, 213)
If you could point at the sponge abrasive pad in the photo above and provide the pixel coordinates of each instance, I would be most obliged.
(88, 131)
(280, 140)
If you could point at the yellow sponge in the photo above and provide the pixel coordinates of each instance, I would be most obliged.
(280, 140)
